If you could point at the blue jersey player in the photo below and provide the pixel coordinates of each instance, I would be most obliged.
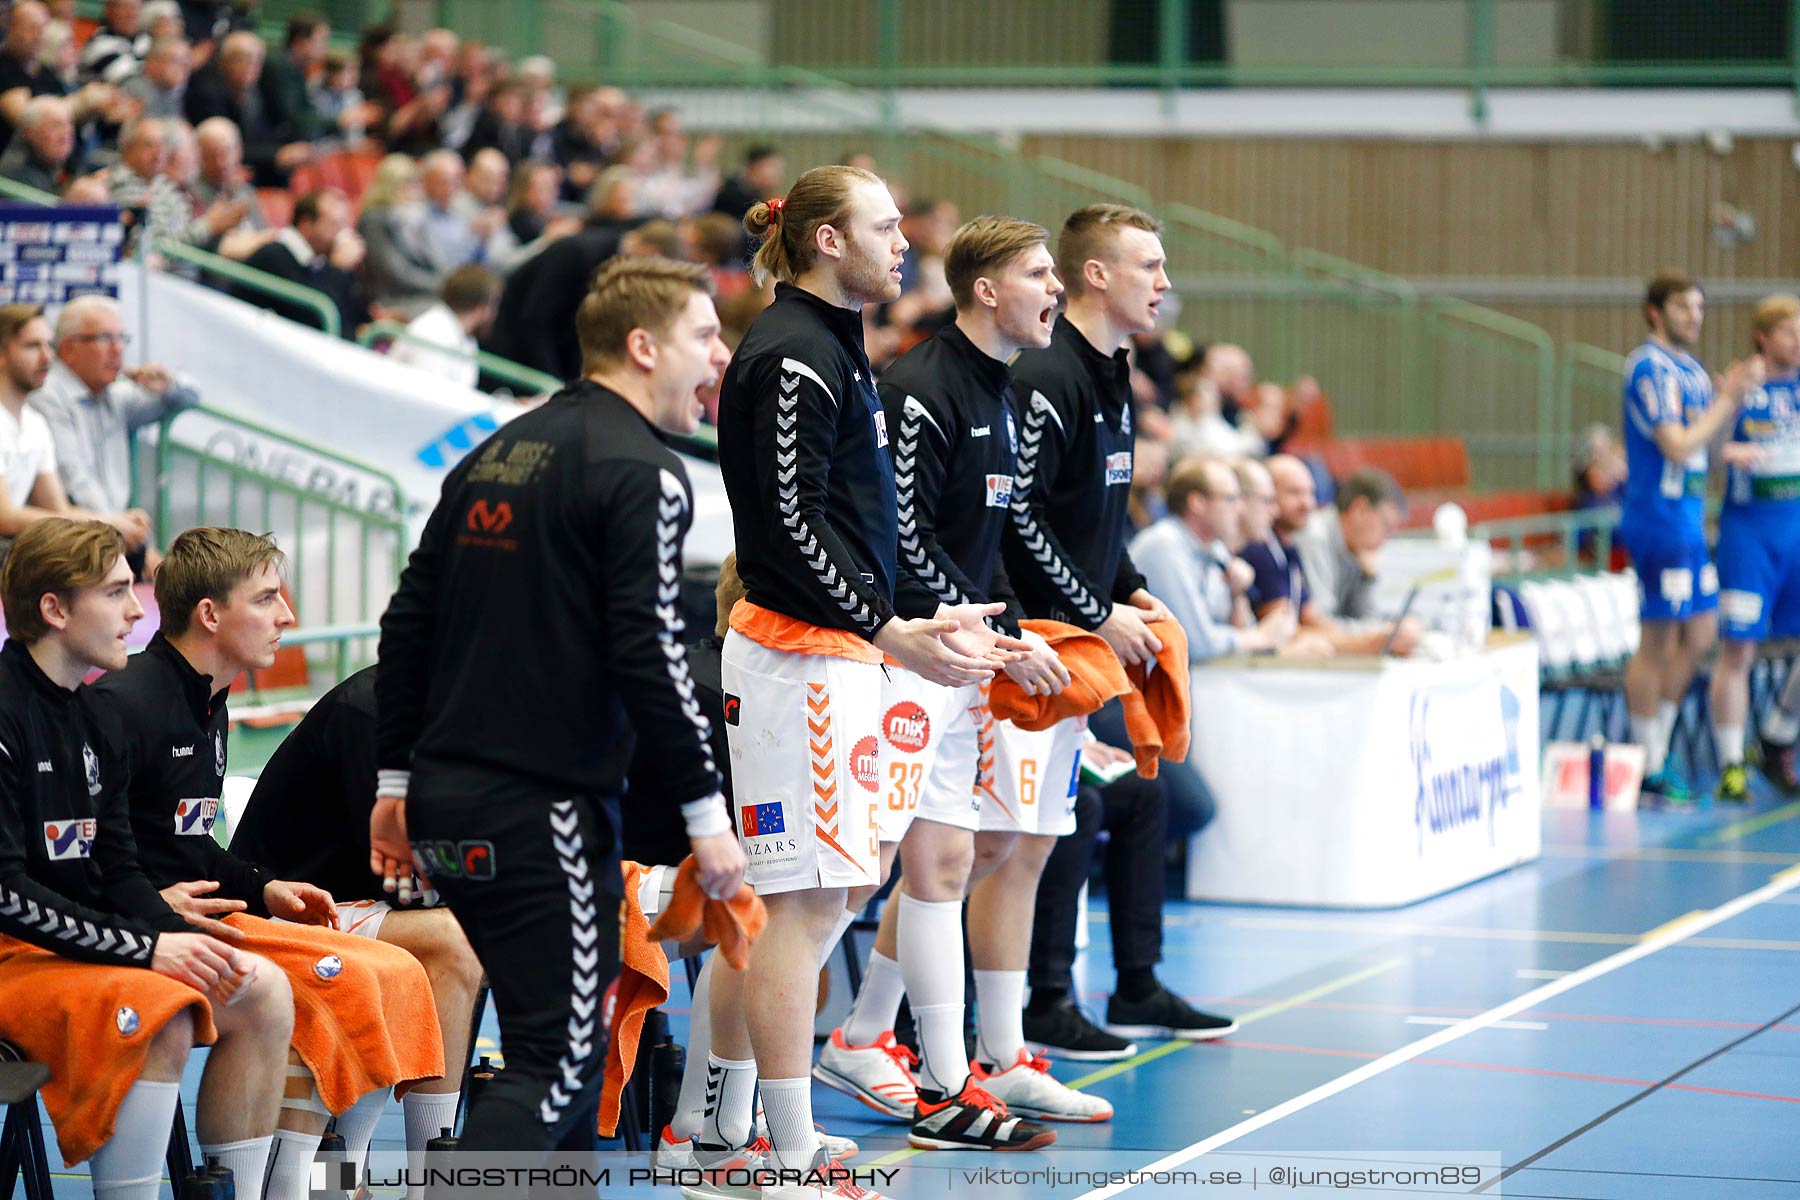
(1671, 417)
(1759, 533)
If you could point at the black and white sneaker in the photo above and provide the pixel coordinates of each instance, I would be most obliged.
(972, 1120)
(1163, 1014)
(1064, 1031)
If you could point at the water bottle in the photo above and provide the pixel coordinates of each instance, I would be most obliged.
(479, 1078)
(332, 1152)
(198, 1184)
(1597, 772)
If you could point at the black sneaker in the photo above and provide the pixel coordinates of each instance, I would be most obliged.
(1064, 1031)
(1163, 1014)
(971, 1120)
(1779, 766)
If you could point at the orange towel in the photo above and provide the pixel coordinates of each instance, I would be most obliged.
(643, 982)
(363, 1011)
(1156, 707)
(92, 1025)
(1096, 677)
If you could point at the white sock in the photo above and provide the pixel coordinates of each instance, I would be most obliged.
(788, 1104)
(427, 1116)
(1730, 739)
(844, 921)
(877, 1003)
(1781, 726)
(930, 941)
(690, 1109)
(356, 1125)
(999, 1016)
(247, 1161)
(290, 1165)
(730, 1094)
(1646, 732)
(1667, 713)
(130, 1165)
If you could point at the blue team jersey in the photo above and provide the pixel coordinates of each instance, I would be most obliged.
(1770, 418)
(1663, 387)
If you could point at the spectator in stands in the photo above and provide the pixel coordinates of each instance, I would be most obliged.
(399, 274)
(1186, 559)
(94, 405)
(231, 226)
(222, 179)
(674, 188)
(456, 322)
(114, 50)
(1340, 547)
(320, 251)
(230, 87)
(763, 175)
(1197, 424)
(1150, 471)
(210, 22)
(162, 19)
(1229, 369)
(39, 156)
(471, 83)
(61, 56)
(582, 140)
(532, 199)
(22, 76)
(30, 490)
(535, 324)
(160, 84)
(453, 226)
(1599, 468)
(503, 123)
(137, 184)
(338, 99)
(1279, 575)
(286, 95)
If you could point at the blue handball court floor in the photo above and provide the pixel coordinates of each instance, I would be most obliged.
(1619, 1019)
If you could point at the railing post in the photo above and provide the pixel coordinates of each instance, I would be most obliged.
(1171, 50)
(887, 59)
(1481, 56)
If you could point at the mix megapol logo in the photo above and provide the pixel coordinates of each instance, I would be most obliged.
(1464, 774)
(907, 726)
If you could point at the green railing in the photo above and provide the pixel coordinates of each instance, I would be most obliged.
(345, 547)
(1550, 545)
(1590, 382)
(528, 380)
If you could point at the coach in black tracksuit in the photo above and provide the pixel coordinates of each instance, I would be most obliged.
(533, 640)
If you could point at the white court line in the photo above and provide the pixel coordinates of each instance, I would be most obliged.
(1534, 1026)
(1538, 973)
(1669, 935)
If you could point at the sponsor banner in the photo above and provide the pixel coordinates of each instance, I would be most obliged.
(52, 255)
(1396, 781)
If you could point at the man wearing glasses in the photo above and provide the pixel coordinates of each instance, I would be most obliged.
(93, 404)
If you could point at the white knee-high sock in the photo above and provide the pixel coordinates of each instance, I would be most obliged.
(788, 1103)
(844, 921)
(1000, 1016)
(878, 1002)
(690, 1109)
(1730, 739)
(247, 1160)
(290, 1165)
(427, 1116)
(930, 941)
(730, 1095)
(130, 1165)
(356, 1125)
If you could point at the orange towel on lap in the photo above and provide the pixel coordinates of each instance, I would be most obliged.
(1096, 677)
(731, 925)
(92, 1025)
(363, 1011)
(1156, 707)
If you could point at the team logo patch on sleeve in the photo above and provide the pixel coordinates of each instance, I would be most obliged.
(1118, 468)
(999, 491)
(329, 967)
(126, 1020)
(69, 839)
(763, 820)
(90, 762)
(733, 707)
(194, 818)
(219, 754)
(880, 427)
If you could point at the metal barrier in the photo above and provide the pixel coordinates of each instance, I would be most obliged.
(1550, 545)
(345, 539)
(530, 381)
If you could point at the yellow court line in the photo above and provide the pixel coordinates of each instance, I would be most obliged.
(1171, 1047)
(1687, 918)
(1268, 1010)
(1743, 829)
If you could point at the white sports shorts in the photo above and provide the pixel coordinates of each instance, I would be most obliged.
(1036, 777)
(805, 765)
